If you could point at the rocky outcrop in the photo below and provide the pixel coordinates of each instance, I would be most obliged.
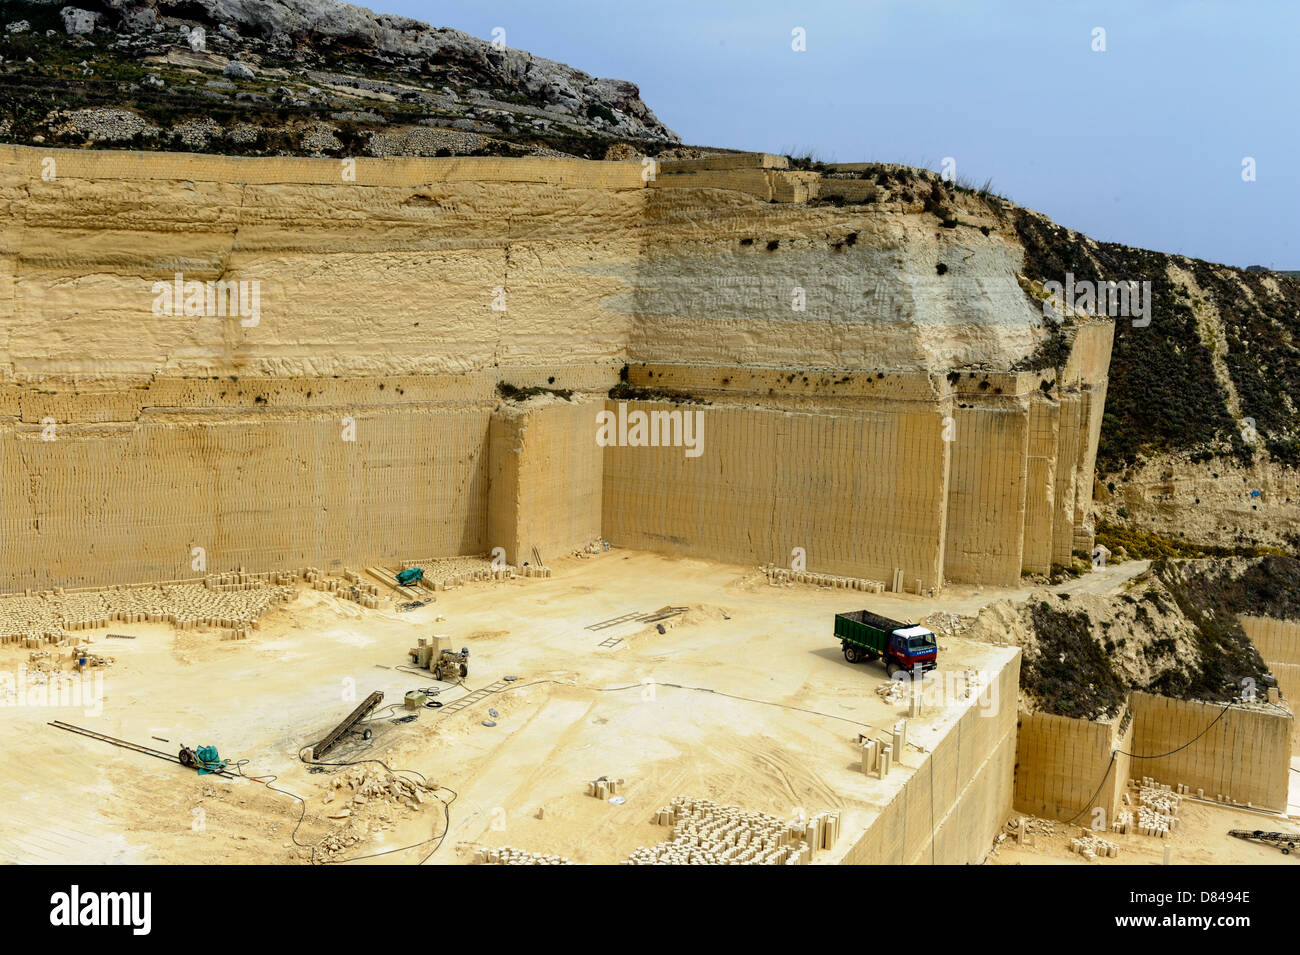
(1201, 439)
(1176, 632)
(325, 58)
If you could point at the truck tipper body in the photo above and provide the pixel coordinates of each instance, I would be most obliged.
(903, 646)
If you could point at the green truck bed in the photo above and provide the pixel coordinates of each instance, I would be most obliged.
(866, 629)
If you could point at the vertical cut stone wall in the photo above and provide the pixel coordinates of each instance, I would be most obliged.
(546, 479)
(953, 805)
(1243, 754)
(1278, 642)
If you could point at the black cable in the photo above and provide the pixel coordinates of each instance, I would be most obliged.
(1093, 798)
(700, 689)
(446, 811)
(1185, 745)
(266, 780)
(732, 696)
(1120, 752)
(269, 778)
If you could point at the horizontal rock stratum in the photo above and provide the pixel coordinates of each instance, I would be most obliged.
(863, 371)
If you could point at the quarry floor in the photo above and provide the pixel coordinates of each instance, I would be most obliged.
(1201, 839)
(777, 733)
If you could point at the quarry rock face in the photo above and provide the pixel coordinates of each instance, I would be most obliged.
(77, 21)
(250, 356)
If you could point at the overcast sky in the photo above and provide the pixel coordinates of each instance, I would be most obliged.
(1143, 143)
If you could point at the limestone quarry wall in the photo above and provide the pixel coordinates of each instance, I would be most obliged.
(1243, 754)
(987, 490)
(1040, 483)
(953, 805)
(861, 493)
(1064, 768)
(129, 498)
(546, 477)
(1278, 642)
(387, 267)
(1068, 768)
(396, 294)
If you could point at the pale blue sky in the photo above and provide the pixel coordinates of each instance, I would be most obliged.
(1142, 144)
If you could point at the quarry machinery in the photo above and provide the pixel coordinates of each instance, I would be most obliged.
(864, 635)
(350, 722)
(440, 659)
(205, 759)
(1286, 842)
(410, 577)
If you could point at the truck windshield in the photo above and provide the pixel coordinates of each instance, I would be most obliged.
(921, 644)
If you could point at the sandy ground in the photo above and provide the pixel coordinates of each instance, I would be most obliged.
(579, 710)
(1200, 839)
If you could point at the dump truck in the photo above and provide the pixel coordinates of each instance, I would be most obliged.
(903, 646)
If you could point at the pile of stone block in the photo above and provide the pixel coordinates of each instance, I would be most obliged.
(367, 784)
(1156, 812)
(350, 587)
(507, 855)
(443, 573)
(779, 576)
(82, 653)
(705, 833)
(604, 787)
(1025, 829)
(235, 581)
(892, 691)
(231, 602)
(877, 757)
(1090, 847)
(942, 622)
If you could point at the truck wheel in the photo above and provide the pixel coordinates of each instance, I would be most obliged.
(891, 667)
(851, 654)
(464, 671)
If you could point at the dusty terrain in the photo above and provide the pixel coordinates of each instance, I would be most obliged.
(577, 711)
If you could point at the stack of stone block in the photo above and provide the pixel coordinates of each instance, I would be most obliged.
(506, 855)
(604, 787)
(351, 587)
(778, 576)
(1156, 812)
(705, 833)
(230, 602)
(877, 757)
(1090, 847)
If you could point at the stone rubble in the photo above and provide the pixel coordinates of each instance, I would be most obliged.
(364, 800)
